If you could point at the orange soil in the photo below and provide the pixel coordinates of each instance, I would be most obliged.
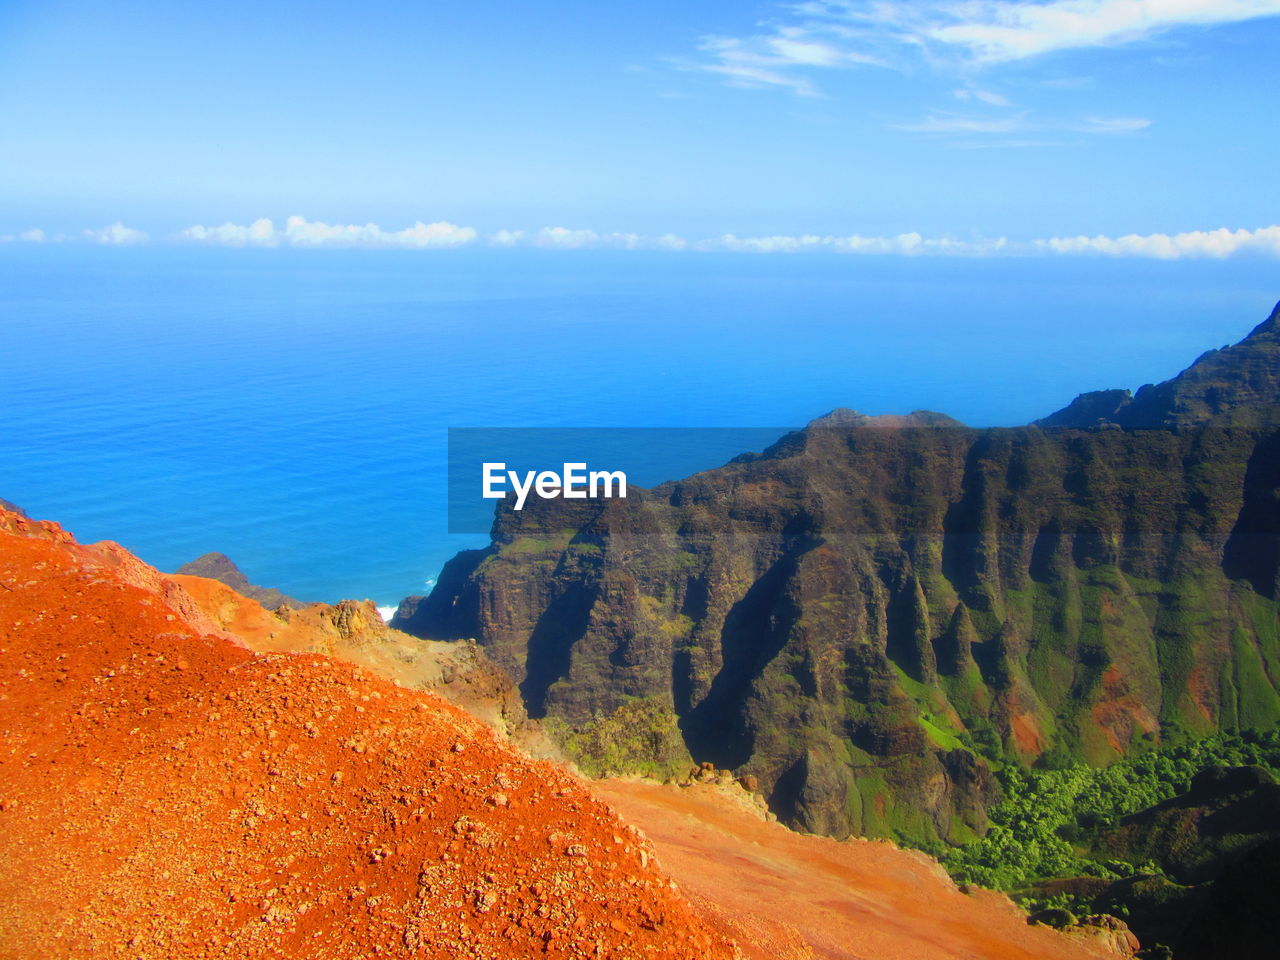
(355, 632)
(785, 896)
(166, 794)
(1119, 713)
(1026, 732)
(260, 628)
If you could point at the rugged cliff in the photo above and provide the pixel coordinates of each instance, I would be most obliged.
(872, 612)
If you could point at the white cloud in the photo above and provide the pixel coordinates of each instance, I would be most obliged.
(912, 244)
(301, 232)
(834, 34)
(993, 32)
(771, 244)
(1113, 124)
(802, 53)
(506, 238)
(1216, 244)
(260, 233)
(989, 97)
(767, 60)
(941, 121)
(117, 235)
(903, 244)
(746, 63)
(1212, 243)
(563, 238)
(35, 235)
(670, 241)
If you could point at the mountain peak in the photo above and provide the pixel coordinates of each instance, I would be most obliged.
(1268, 329)
(844, 417)
(1246, 375)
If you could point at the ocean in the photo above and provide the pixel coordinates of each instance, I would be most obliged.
(290, 407)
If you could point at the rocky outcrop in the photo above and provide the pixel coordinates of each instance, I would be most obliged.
(872, 610)
(218, 566)
(1110, 935)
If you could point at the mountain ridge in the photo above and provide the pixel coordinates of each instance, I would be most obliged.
(866, 619)
(1240, 375)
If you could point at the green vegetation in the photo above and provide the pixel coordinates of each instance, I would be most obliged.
(641, 737)
(938, 736)
(1040, 829)
(535, 545)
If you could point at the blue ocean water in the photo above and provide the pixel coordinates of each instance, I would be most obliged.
(290, 408)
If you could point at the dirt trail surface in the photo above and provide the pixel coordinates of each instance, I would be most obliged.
(786, 896)
(167, 794)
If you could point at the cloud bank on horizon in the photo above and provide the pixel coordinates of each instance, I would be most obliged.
(298, 232)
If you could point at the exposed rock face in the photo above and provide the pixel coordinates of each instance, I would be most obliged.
(218, 566)
(866, 613)
(166, 793)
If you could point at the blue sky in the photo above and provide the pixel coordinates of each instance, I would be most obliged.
(963, 127)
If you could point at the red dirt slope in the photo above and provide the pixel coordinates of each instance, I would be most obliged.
(168, 794)
(355, 632)
(786, 896)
